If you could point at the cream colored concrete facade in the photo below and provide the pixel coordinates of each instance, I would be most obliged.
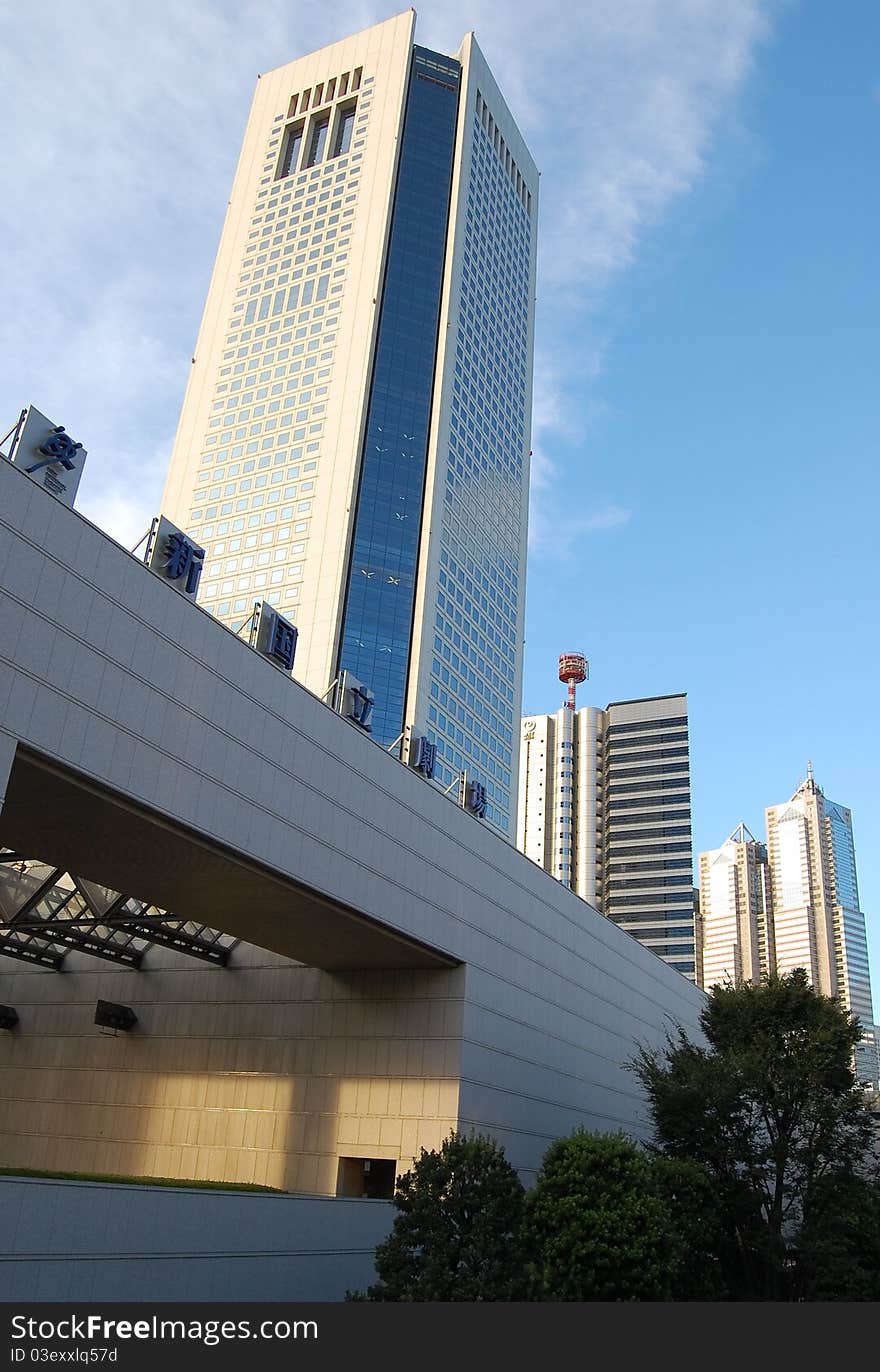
(561, 797)
(736, 925)
(803, 911)
(604, 807)
(327, 427)
(817, 920)
(262, 1072)
(793, 903)
(269, 452)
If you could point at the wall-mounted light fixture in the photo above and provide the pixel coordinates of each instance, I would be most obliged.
(112, 1016)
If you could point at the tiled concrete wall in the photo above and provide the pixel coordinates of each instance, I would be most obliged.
(78, 1241)
(261, 1072)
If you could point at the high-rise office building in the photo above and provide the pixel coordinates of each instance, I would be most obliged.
(735, 920)
(816, 917)
(605, 808)
(354, 441)
(806, 912)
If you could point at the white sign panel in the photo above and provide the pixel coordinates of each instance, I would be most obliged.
(49, 455)
(173, 555)
(274, 636)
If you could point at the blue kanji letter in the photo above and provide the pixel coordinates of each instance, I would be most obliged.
(282, 644)
(183, 559)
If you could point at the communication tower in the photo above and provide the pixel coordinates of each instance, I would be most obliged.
(573, 669)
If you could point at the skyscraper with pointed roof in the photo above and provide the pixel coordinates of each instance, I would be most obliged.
(734, 927)
(795, 906)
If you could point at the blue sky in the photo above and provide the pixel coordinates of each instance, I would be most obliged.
(706, 436)
(736, 425)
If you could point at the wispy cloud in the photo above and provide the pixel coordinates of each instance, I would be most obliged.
(116, 181)
(560, 536)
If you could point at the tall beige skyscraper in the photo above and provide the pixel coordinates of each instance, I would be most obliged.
(605, 808)
(354, 442)
(735, 925)
(811, 916)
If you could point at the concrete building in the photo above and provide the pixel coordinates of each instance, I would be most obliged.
(330, 963)
(604, 807)
(735, 920)
(817, 921)
(793, 903)
(239, 941)
(354, 441)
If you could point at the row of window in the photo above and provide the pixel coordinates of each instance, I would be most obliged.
(325, 91)
(658, 803)
(636, 925)
(661, 898)
(666, 865)
(617, 765)
(651, 817)
(315, 136)
(314, 289)
(656, 881)
(617, 851)
(642, 726)
(616, 788)
(623, 770)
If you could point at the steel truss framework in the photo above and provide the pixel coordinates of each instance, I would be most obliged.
(45, 911)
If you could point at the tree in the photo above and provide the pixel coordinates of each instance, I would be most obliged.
(456, 1236)
(599, 1229)
(698, 1273)
(771, 1109)
(837, 1255)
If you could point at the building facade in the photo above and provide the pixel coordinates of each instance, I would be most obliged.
(354, 441)
(604, 806)
(797, 905)
(735, 925)
(327, 963)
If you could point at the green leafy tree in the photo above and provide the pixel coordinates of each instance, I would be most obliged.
(770, 1108)
(837, 1253)
(687, 1189)
(456, 1235)
(598, 1226)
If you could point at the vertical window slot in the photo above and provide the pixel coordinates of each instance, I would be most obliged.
(317, 139)
(290, 151)
(344, 130)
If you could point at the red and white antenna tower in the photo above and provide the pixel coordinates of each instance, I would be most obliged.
(573, 669)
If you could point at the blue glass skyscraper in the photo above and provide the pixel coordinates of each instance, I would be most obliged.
(354, 443)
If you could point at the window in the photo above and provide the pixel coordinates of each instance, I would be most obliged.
(344, 130)
(370, 1178)
(317, 140)
(290, 152)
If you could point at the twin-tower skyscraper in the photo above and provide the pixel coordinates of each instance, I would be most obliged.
(354, 443)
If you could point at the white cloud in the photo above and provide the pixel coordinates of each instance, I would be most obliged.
(117, 164)
(559, 534)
